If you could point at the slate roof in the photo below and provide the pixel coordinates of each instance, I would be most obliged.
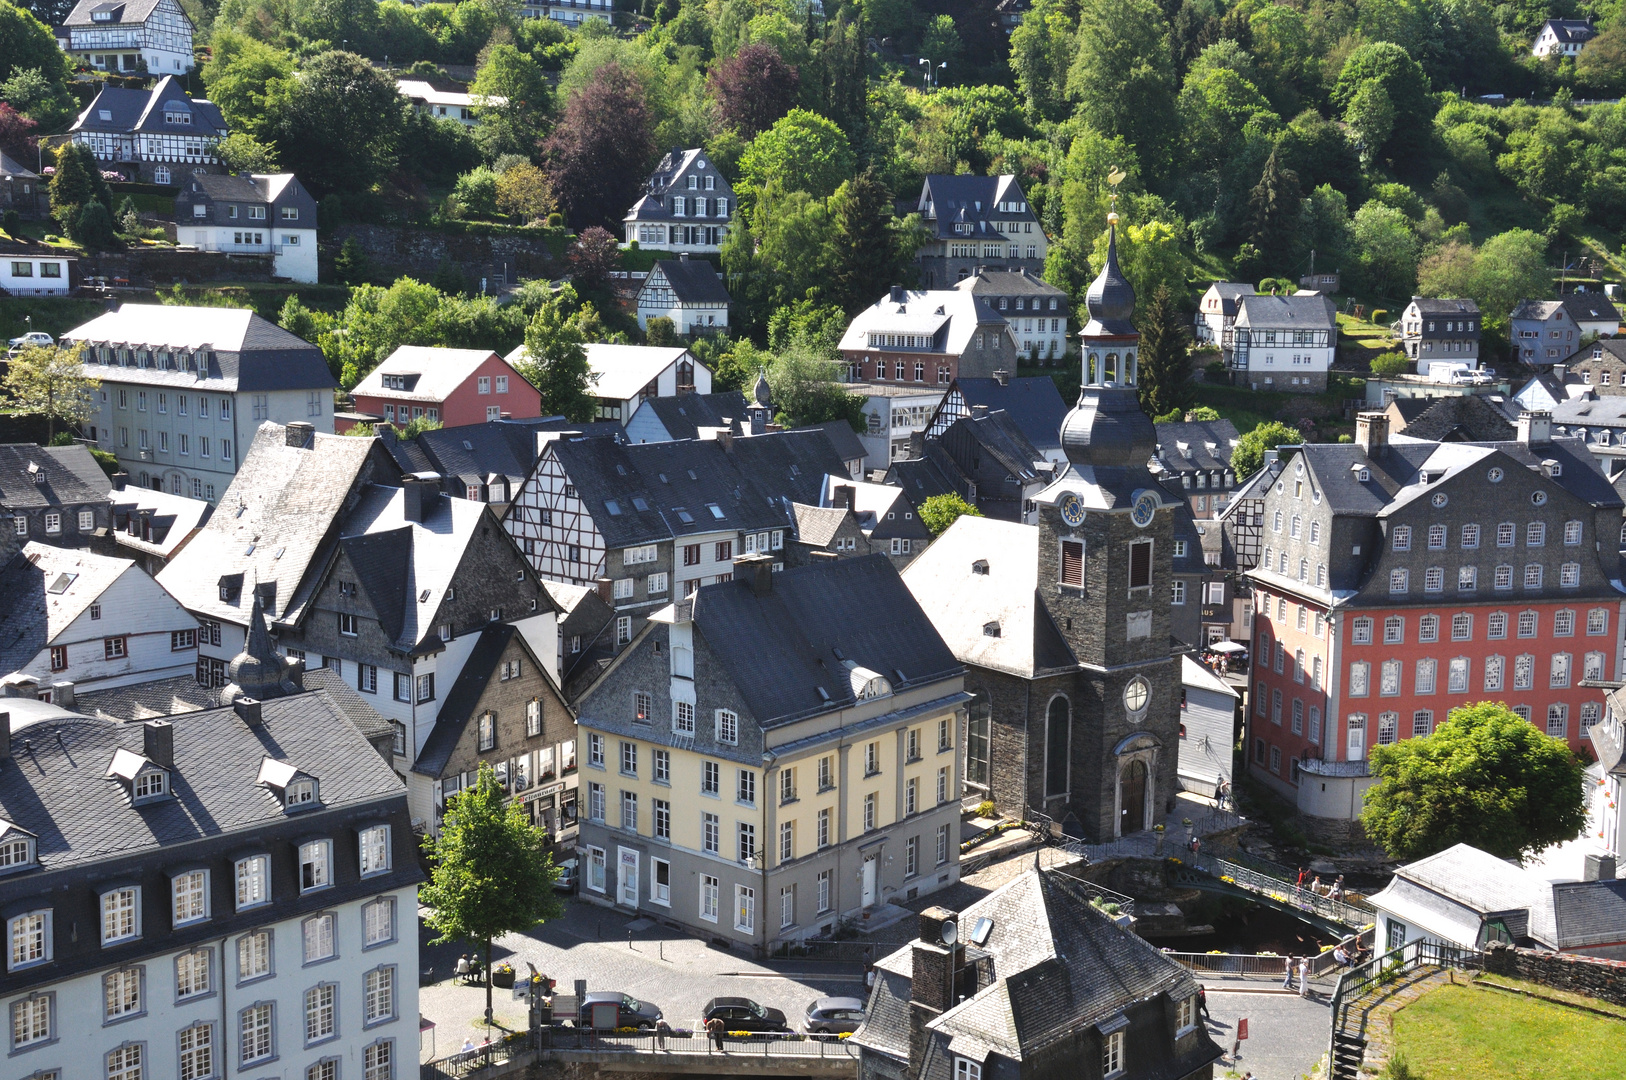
(995, 619)
(473, 453)
(456, 711)
(811, 622)
(1196, 446)
(966, 198)
(746, 481)
(35, 477)
(842, 438)
(11, 167)
(248, 352)
(947, 316)
(1429, 305)
(693, 281)
(985, 281)
(1588, 411)
(1590, 307)
(1312, 312)
(871, 503)
(130, 111)
(175, 518)
(817, 525)
(276, 522)
(149, 700)
(1535, 309)
(1228, 293)
(1615, 348)
(683, 416)
(921, 478)
(1059, 965)
(1473, 877)
(1572, 31)
(1457, 418)
(1587, 913)
(432, 374)
(1032, 402)
(43, 589)
(677, 163)
(1197, 675)
(999, 435)
(125, 12)
(79, 817)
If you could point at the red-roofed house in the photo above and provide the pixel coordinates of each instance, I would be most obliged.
(454, 386)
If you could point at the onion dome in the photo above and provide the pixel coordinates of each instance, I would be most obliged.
(1111, 299)
(1108, 429)
(760, 393)
(259, 671)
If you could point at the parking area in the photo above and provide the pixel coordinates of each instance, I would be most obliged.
(612, 952)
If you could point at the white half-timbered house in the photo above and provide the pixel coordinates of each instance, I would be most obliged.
(157, 136)
(688, 291)
(129, 35)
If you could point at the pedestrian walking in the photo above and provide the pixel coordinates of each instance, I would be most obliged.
(1196, 846)
(714, 1028)
(1300, 885)
(1202, 1002)
(1287, 976)
(1337, 890)
(1304, 976)
(1315, 886)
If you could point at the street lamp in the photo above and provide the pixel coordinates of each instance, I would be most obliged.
(926, 76)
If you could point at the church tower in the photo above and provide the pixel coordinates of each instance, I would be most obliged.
(1106, 543)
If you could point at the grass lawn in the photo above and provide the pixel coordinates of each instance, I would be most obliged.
(1470, 1033)
(50, 314)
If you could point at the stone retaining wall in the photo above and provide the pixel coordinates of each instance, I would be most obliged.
(167, 266)
(1592, 976)
(393, 251)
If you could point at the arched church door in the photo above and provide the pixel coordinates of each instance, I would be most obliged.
(1133, 799)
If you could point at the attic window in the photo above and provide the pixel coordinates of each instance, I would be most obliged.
(151, 784)
(62, 583)
(613, 507)
(692, 476)
(1363, 475)
(980, 567)
(716, 511)
(423, 597)
(684, 516)
(105, 115)
(16, 848)
(300, 793)
(639, 504)
(621, 469)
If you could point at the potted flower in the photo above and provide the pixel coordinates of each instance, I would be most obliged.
(1158, 830)
(502, 976)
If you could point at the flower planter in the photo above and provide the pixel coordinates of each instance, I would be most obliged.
(503, 980)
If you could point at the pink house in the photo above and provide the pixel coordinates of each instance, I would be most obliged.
(454, 386)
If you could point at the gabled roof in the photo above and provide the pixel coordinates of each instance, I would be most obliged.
(143, 110)
(922, 478)
(783, 648)
(432, 374)
(675, 165)
(427, 92)
(34, 476)
(1536, 309)
(1590, 307)
(245, 188)
(842, 438)
(978, 583)
(1457, 418)
(999, 435)
(968, 199)
(1196, 675)
(472, 680)
(946, 317)
(43, 589)
(1571, 31)
(1014, 281)
(693, 281)
(473, 452)
(618, 372)
(1429, 305)
(1614, 348)
(1228, 293)
(10, 167)
(1033, 403)
(154, 700)
(683, 416)
(817, 525)
(125, 12)
(1296, 312)
(1196, 445)
(249, 353)
(174, 518)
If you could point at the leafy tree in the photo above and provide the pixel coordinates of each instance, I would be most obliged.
(524, 191)
(515, 125)
(870, 250)
(337, 21)
(940, 43)
(34, 94)
(350, 264)
(245, 78)
(753, 89)
(1390, 364)
(1202, 413)
(555, 362)
(1371, 118)
(1249, 454)
(1486, 777)
(51, 382)
(76, 183)
(242, 152)
(1402, 81)
(93, 227)
(940, 511)
(476, 190)
(1120, 77)
(1149, 255)
(1507, 268)
(661, 332)
(1042, 49)
(807, 390)
(1166, 368)
(1601, 67)
(25, 43)
(1274, 206)
(598, 156)
(338, 100)
(803, 151)
(492, 871)
(16, 133)
(1386, 248)
(592, 257)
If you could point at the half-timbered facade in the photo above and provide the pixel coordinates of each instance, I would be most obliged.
(153, 36)
(157, 136)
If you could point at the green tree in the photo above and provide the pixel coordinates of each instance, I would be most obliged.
(1149, 255)
(242, 152)
(339, 99)
(1371, 119)
(1403, 82)
(803, 151)
(1042, 49)
(599, 155)
(870, 250)
(1249, 453)
(76, 183)
(514, 124)
(940, 43)
(555, 362)
(524, 191)
(1486, 777)
(1386, 248)
(245, 78)
(1121, 79)
(1274, 208)
(660, 332)
(26, 42)
(93, 227)
(1166, 368)
(476, 190)
(1509, 267)
(350, 264)
(940, 511)
(1601, 67)
(33, 93)
(50, 382)
(492, 871)
(807, 390)
(1390, 364)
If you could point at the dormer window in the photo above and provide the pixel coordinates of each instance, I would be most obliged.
(144, 779)
(17, 848)
(151, 784)
(300, 793)
(298, 790)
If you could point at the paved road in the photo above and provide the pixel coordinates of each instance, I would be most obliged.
(1287, 1034)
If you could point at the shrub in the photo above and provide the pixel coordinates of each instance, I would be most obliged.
(556, 220)
(985, 809)
(1390, 364)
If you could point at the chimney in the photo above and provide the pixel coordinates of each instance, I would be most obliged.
(978, 412)
(5, 736)
(824, 556)
(422, 493)
(683, 256)
(1372, 432)
(1002, 376)
(62, 694)
(1558, 372)
(158, 742)
(1535, 428)
(295, 671)
(841, 496)
(249, 710)
(931, 976)
(757, 571)
(725, 435)
(300, 435)
(917, 445)
(898, 295)
(120, 479)
(605, 593)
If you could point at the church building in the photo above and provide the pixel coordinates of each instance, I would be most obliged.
(1065, 626)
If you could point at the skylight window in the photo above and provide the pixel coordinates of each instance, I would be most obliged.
(692, 476)
(639, 504)
(613, 507)
(716, 511)
(684, 516)
(62, 583)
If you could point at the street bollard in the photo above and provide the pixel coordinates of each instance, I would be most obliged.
(629, 940)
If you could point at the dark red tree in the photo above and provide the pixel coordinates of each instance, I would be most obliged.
(17, 135)
(594, 254)
(600, 154)
(753, 88)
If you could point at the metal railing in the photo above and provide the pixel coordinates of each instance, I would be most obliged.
(1349, 1020)
(1285, 892)
(848, 952)
(1241, 965)
(681, 1044)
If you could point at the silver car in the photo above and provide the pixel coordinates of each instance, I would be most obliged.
(835, 1015)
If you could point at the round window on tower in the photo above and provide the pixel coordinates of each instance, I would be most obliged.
(1136, 695)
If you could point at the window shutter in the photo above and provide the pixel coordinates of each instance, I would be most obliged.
(1140, 564)
(1072, 562)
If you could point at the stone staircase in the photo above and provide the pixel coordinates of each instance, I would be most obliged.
(1367, 998)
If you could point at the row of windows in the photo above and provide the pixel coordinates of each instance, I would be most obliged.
(162, 359)
(198, 1052)
(1569, 577)
(1462, 626)
(1535, 535)
(53, 522)
(1560, 674)
(161, 402)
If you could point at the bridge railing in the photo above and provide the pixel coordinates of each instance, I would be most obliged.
(1240, 965)
(689, 1044)
(1285, 892)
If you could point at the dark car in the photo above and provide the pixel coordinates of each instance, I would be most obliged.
(630, 1012)
(743, 1014)
(835, 1015)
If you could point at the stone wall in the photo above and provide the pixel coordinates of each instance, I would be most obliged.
(167, 266)
(393, 251)
(1602, 979)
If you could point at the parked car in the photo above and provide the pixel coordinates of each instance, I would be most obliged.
(35, 337)
(566, 881)
(743, 1014)
(835, 1015)
(630, 1011)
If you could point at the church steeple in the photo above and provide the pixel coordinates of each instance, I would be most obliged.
(258, 671)
(1109, 339)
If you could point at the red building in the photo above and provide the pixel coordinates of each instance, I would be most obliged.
(1397, 581)
(454, 386)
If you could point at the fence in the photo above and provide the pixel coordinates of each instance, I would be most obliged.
(846, 952)
(1285, 892)
(683, 1045)
(1348, 1042)
(1249, 965)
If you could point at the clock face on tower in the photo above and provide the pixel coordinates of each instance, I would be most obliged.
(1145, 508)
(1072, 509)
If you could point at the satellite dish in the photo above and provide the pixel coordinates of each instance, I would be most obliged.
(951, 932)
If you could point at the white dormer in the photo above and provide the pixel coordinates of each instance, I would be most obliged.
(144, 780)
(18, 848)
(298, 790)
(866, 684)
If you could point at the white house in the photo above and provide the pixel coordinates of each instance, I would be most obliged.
(251, 214)
(35, 270)
(1283, 343)
(624, 376)
(1207, 728)
(1563, 37)
(686, 205)
(570, 12)
(73, 622)
(129, 36)
(1217, 310)
(157, 135)
(688, 291)
(445, 104)
(892, 414)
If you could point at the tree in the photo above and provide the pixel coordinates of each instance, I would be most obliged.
(1249, 454)
(867, 253)
(803, 151)
(592, 257)
(242, 152)
(1510, 267)
(556, 364)
(32, 93)
(524, 191)
(1601, 67)
(50, 382)
(660, 332)
(476, 190)
(1390, 364)
(753, 89)
(25, 42)
(1371, 118)
(940, 511)
(350, 264)
(1486, 777)
(1121, 77)
(1274, 208)
(338, 100)
(16, 133)
(1165, 355)
(1386, 248)
(76, 183)
(807, 389)
(514, 100)
(492, 871)
(245, 78)
(598, 157)
(1403, 82)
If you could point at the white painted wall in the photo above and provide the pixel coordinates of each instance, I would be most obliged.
(26, 275)
(137, 608)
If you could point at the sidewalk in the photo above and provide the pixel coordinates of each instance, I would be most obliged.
(1287, 1034)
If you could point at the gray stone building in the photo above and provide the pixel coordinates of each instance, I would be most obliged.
(825, 532)
(1033, 402)
(55, 495)
(1066, 626)
(1196, 457)
(985, 458)
(1434, 331)
(773, 755)
(886, 515)
(976, 222)
(1036, 310)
